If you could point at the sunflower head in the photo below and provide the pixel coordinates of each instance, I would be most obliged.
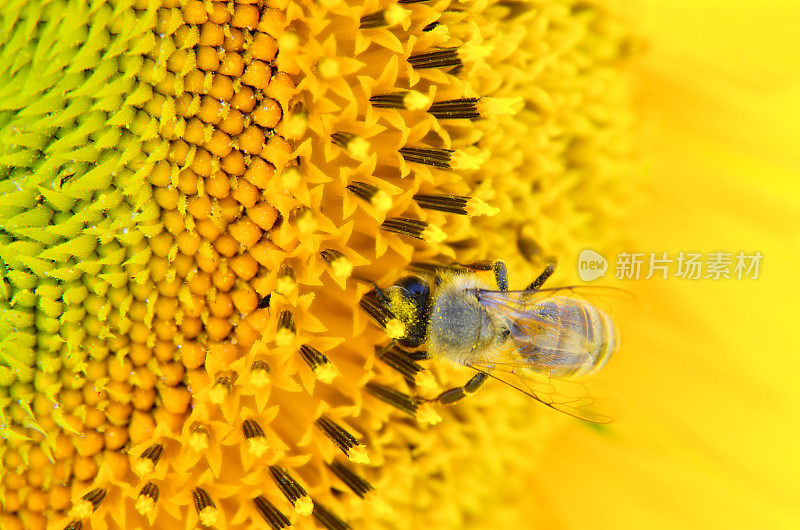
(190, 191)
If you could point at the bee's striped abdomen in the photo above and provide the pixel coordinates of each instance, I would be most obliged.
(575, 339)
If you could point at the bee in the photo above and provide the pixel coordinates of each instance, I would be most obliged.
(543, 342)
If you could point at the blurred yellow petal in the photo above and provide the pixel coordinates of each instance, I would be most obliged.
(709, 368)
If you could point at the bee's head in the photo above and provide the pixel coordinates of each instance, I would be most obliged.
(408, 299)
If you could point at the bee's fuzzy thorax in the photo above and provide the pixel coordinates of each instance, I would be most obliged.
(459, 328)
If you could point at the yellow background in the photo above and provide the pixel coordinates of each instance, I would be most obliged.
(709, 368)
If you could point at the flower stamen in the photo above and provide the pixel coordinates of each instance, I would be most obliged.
(293, 491)
(355, 146)
(259, 374)
(393, 397)
(391, 16)
(372, 194)
(199, 439)
(356, 483)
(429, 156)
(206, 509)
(221, 390)
(148, 459)
(303, 218)
(346, 442)
(328, 519)
(377, 310)
(408, 100)
(341, 267)
(285, 283)
(256, 440)
(414, 228)
(89, 503)
(458, 204)
(437, 59)
(319, 363)
(148, 496)
(443, 203)
(464, 108)
(398, 360)
(264, 302)
(286, 329)
(274, 518)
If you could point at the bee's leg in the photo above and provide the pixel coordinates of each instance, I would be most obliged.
(537, 283)
(460, 392)
(500, 276)
(499, 268)
(418, 355)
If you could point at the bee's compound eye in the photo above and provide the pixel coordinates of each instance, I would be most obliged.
(416, 287)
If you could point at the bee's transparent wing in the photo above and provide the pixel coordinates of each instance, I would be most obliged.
(598, 295)
(556, 333)
(576, 398)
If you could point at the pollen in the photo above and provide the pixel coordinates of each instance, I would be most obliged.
(293, 491)
(395, 329)
(220, 391)
(358, 454)
(207, 511)
(474, 51)
(468, 159)
(144, 504)
(342, 268)
(199, 440)
(82, 509)
(143, 467)
(489, 107)
(425, 380)
(304, 506)
(259, 374)
(428, 415)
(433, 234)
(328, 68)
(355, 146)
(208, 516)
(326, 373)
(257, 443)
(146, 501)
(476, 207)
(285, 284)
(258, 447)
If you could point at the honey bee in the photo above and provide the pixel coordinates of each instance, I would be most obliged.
(543, 342)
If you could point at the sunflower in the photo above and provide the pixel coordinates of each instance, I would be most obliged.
(197, 194)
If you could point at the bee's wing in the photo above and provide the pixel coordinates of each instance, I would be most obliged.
(555, 333)
(598, 295)
(575, 398)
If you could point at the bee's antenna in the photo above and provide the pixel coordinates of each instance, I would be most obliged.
(378, 291)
